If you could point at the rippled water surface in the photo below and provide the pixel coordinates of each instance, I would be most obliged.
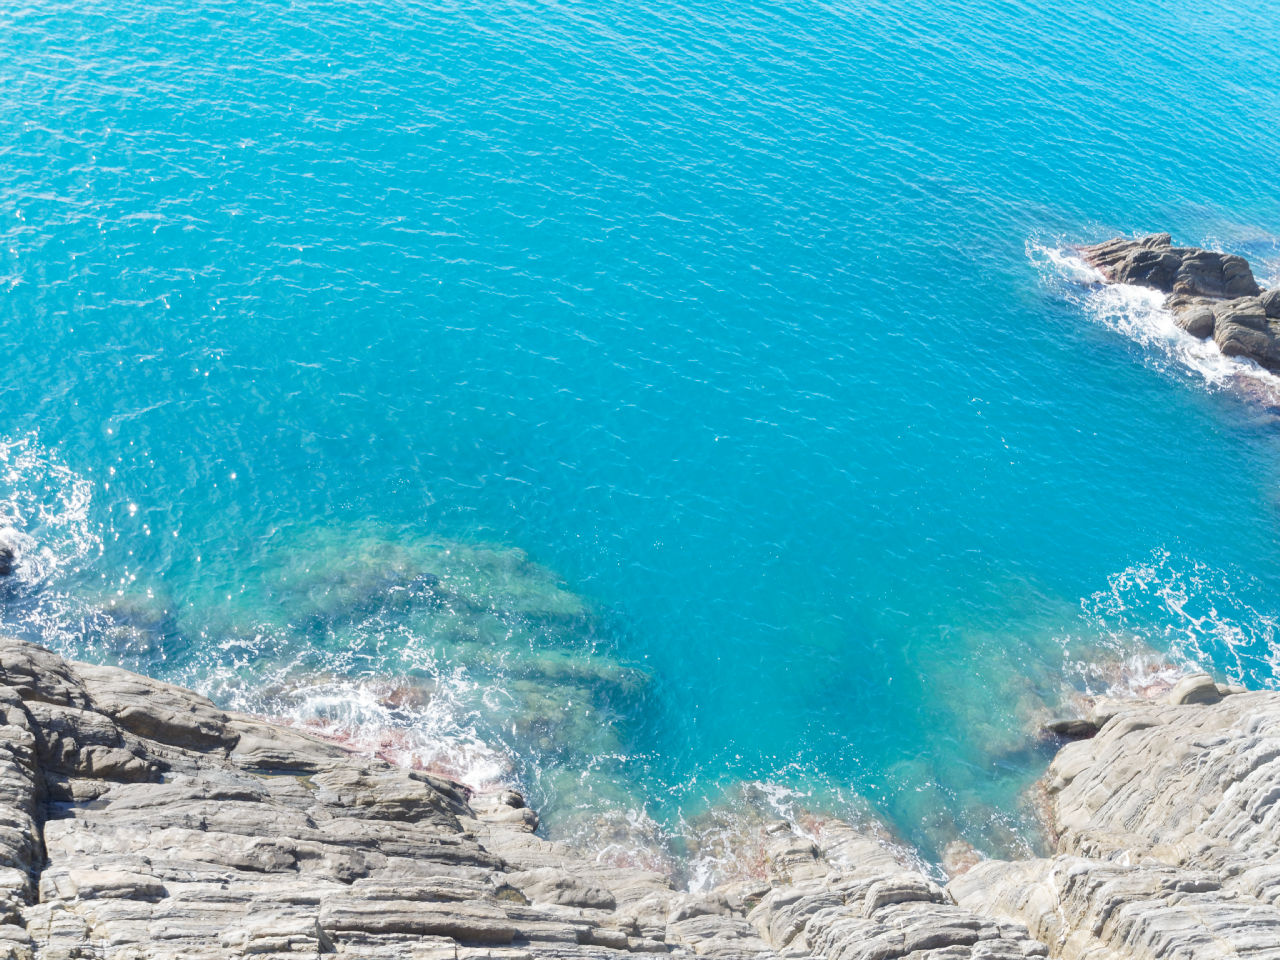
(630, 401)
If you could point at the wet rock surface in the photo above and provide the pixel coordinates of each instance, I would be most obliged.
(1168, 834)
(8, 551)
(1212, 295)
(139, 820)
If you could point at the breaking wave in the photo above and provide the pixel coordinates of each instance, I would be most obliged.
(395, 722)
(45, 506)
(45, 509)
(1169, 615)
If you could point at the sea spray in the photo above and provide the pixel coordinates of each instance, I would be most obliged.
(1194, 615)
(46, 506)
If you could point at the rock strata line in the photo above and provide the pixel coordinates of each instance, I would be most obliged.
(140, 822)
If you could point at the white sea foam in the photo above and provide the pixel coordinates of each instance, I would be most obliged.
(46, 505)
(1169, 615)
(1166, 615)
(1138, 313)
(398, 721)
(731, 838)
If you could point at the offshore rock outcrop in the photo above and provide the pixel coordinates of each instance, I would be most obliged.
(1212, 295)
(1168, 824)
(8, 551)
(137, 820)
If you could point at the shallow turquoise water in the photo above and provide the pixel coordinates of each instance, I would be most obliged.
(746, 320)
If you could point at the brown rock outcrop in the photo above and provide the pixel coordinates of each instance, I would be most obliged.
(1211, 294)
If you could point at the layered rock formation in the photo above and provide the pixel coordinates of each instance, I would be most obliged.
(1168, 824)
(1211, 294)
(137, 820)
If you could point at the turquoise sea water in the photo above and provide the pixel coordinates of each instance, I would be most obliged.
(634, 400)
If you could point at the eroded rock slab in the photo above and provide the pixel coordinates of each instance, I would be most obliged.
(1168, 824)
(138, 820)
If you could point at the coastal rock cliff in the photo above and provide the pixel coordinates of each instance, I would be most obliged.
(1168, 827)
(1212, 295)
(137, 820)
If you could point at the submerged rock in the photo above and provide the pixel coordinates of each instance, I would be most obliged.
(466, 659)
(334, 574)
(1211, 294)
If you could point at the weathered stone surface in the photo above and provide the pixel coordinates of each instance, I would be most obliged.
(1271, 303)
(1211, 294)
(1153, 261)
(1196, 688)
(1198, 319)
(1168, 826)
(847, 896)
(139, 821)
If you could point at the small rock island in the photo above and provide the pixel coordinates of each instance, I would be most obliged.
(1210, 294)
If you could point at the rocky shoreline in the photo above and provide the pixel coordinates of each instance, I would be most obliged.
(137, 820)
(1211, 295)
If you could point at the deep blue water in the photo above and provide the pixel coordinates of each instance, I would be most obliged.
(746, 322)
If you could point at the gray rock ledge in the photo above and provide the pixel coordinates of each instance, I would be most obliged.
(1211, 294)
(1168, 835)
(139, 821)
